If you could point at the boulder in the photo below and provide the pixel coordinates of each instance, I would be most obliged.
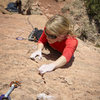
(30, 7)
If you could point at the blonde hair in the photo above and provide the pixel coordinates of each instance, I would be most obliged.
(59, 25)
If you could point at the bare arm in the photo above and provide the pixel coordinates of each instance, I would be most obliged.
(60, 62)
(50, 67)
(40, 46)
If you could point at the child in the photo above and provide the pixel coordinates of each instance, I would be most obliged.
(58, 34)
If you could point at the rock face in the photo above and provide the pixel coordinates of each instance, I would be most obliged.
(26, 7)
(79, 80)
(75, 10)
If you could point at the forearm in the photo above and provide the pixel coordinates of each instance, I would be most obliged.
(60, 62)
(50, 67)
(40, 46)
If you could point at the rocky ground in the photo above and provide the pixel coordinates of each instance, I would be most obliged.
(79, 80)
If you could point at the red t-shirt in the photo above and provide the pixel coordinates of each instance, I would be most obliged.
(66, 47)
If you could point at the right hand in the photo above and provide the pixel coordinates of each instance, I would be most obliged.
(46, 68)
(35, 54)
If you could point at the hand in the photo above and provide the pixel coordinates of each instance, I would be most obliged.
(46, 68)
(36, 53)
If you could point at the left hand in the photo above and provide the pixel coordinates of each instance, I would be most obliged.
(46, 68)
(36, 53)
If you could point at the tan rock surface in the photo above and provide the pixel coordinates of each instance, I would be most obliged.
(79, 81)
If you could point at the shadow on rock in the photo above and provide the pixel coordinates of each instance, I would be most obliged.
(69, 64)
(53, 55)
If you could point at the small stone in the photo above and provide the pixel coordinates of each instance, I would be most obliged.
(69, 82)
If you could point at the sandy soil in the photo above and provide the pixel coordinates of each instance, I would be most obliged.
(79, 80)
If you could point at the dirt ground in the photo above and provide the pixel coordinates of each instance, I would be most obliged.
(78, 80)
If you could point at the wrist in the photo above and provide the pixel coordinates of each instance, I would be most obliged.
(53, 64)
(40, 50)
(40, 46)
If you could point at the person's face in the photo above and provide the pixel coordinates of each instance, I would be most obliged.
(53, 38)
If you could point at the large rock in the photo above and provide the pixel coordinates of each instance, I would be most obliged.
(26, 7)
(30, 7)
